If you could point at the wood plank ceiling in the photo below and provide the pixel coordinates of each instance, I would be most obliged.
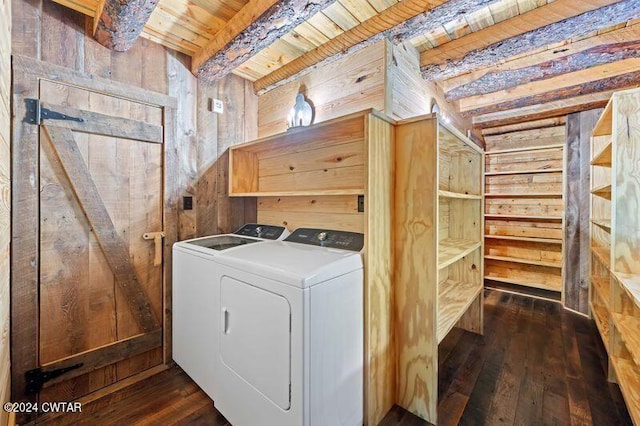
(503, 61)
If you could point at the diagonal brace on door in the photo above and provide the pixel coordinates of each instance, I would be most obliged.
(115, 251)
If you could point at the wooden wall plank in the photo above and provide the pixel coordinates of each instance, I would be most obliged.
(342, 87)
(411, 95)
(24, 236)
(576, 266)
(184, 87)
(625, 238)
(416, 234)
(379, 341)
(5, 202)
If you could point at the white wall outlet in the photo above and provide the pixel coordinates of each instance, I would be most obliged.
(218, 106)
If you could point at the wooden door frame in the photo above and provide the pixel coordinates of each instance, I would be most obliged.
(25, 183)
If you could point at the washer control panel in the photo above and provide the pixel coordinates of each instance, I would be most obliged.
(328, 238)
(268, 232)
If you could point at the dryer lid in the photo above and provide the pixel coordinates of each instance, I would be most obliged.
(292, 263)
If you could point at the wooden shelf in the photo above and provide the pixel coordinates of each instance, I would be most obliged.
(602, 191)
(602, 223)
(526, 195)
(525, 239)
(628, 327)
(523, 172)
(603, 158)
(525, 261)
(357, 191)
(602, 322)
(629, 381)
(449, 194)
(527, 283)
(602, 286)
(452, 250)
(523, 217)
(533, 148)
(631, 284)
(454, 297)
(603, 255)
(604, 125)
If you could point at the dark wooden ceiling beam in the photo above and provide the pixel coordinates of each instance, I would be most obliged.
(543, 111)
(496, 81)
(121, 22)
(256, 26)
(610, 35)
(588, 80)
(398, 23)
(522, 37)
(611, 83)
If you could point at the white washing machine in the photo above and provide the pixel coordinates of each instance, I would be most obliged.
(290, 333)
(194, 306)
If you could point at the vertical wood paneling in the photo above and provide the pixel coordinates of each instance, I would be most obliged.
(411, 94)
(380, 356)
(184, 87)
(576, 264)
(5, 199)
(416, 241)
(625, 238)
(348, 85)
(217, 212)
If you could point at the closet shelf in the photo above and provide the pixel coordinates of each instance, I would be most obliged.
(310, 192)
(532, 148)
(525, 239)
(523, 217)
(452, 250)
(449, 194)
(601, 318)
(604, 125)
(526, 195)
(603, 158)
(602, 287)
(523, 172)
(602, 254)
(628, 327)
(602, 191)
(631, 284)
(629, 382)
(524, 261)
(454, 298)
(602, 223)
(525, 282)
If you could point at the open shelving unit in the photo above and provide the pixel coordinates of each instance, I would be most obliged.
(524, 209)
(614, 296)
(439, 246)
(414, 188)
(337, 174)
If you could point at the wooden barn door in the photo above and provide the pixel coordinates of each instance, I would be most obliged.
(100, 229)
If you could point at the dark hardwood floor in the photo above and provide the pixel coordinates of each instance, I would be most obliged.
(537, 364)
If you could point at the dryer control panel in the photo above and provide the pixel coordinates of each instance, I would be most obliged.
(268, 232)
(344, 240)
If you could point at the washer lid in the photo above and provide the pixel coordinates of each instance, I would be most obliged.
(292, 263)
(216, 244)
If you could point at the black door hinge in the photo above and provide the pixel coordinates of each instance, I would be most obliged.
(35, 113)
(36, 378)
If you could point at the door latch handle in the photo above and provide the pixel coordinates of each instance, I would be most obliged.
(157, 239)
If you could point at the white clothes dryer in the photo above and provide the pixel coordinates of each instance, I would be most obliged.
(194, 308)
(290, 348)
